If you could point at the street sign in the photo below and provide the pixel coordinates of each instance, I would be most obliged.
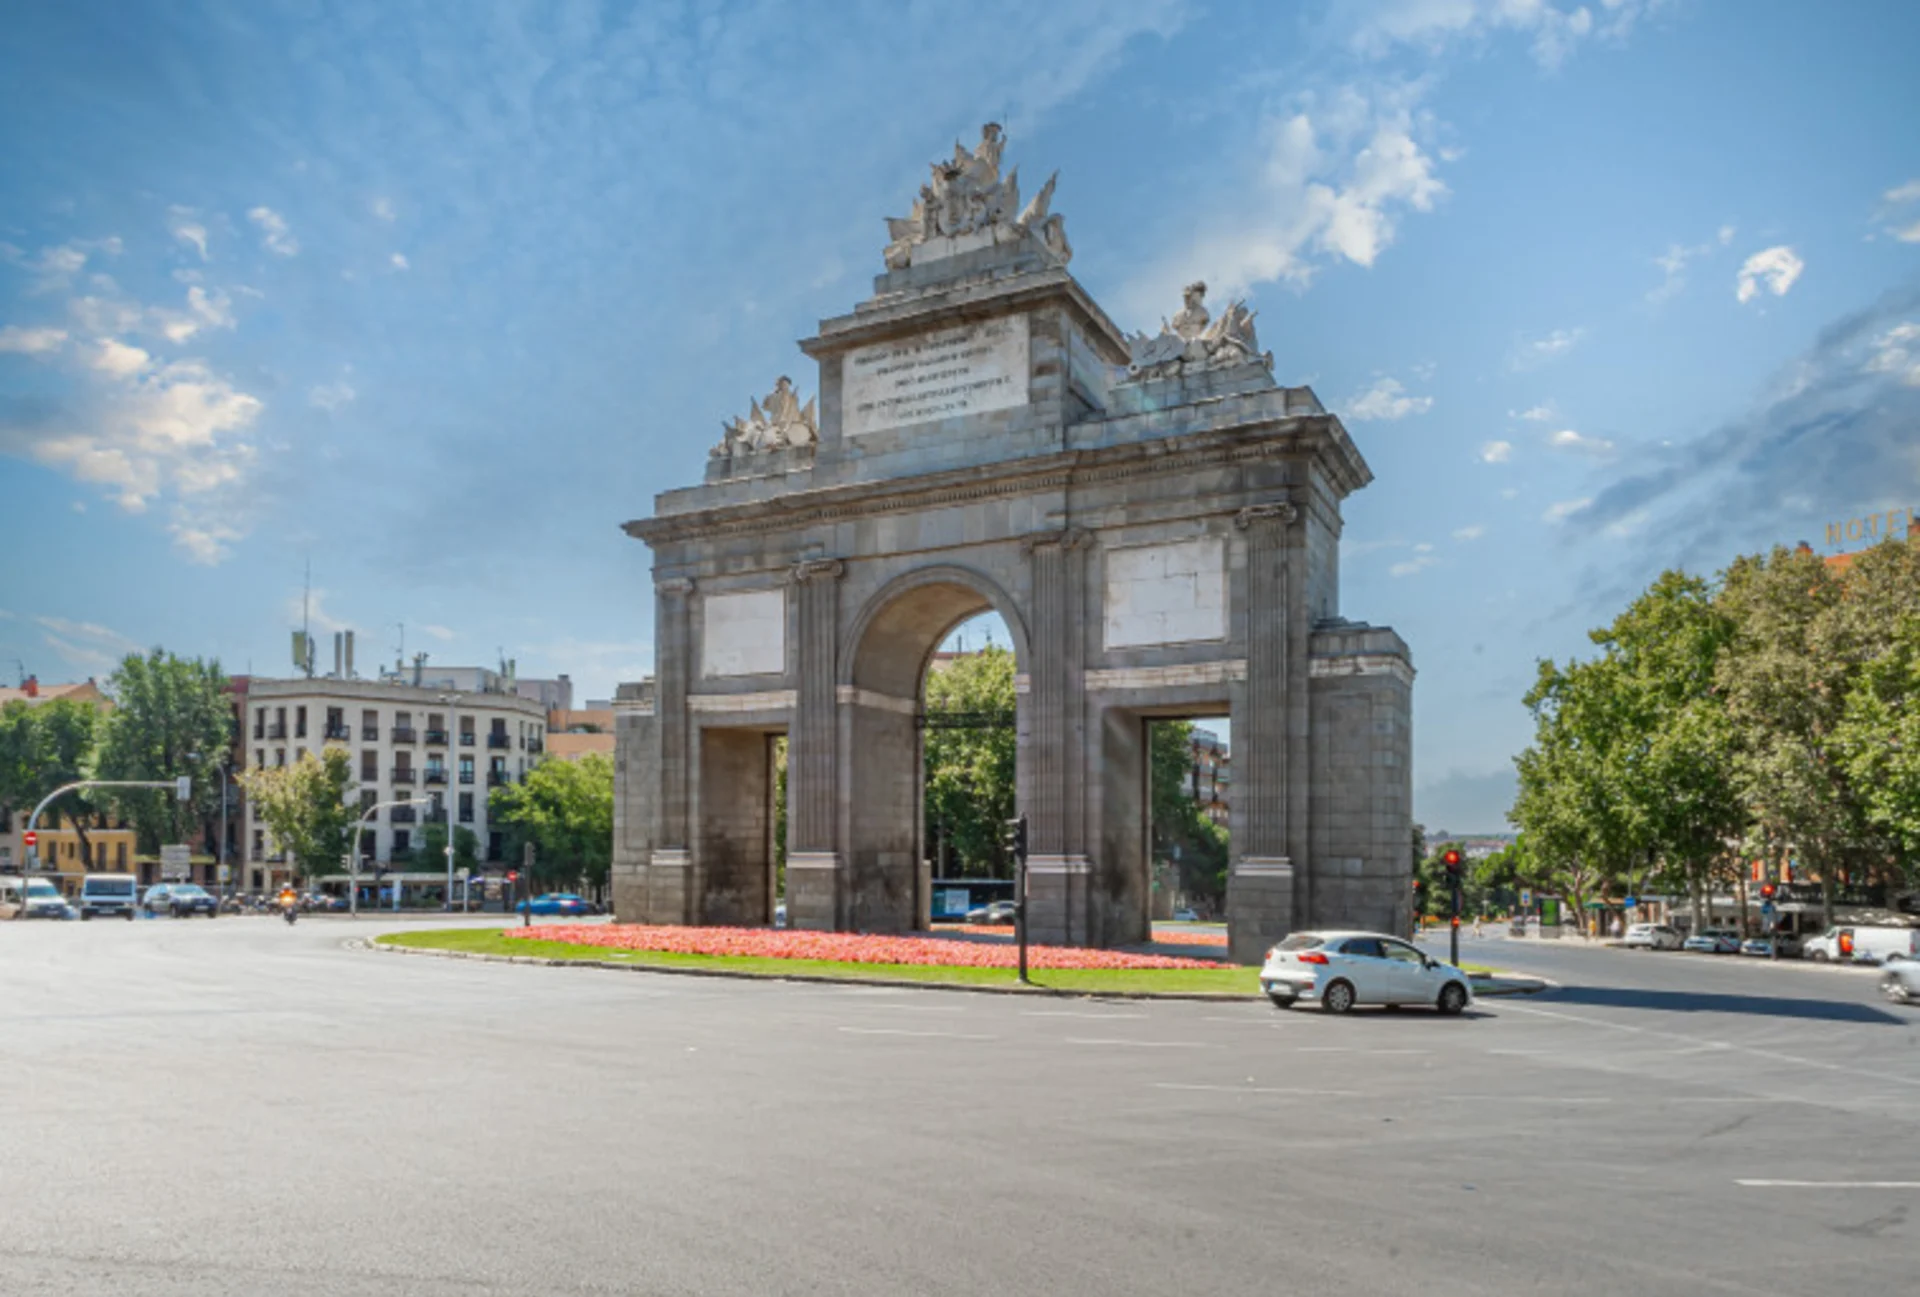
(1631, 902)
(29, 839)
(1526, 897)
(176, 860)
(226, 873)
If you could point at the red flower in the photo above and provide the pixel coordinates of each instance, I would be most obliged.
(843, 947)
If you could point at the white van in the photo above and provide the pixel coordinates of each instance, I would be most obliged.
(108, 894)
(43, 899)
(1863, 945)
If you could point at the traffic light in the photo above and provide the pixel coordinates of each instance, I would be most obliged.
(513, 876)
(1452, 861)
(1766, 891)
(1016, 836)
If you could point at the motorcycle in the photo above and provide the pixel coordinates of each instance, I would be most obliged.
(290, 912)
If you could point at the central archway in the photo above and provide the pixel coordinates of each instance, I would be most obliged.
(882, 680)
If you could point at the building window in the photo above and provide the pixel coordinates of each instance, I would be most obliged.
(259, 843)
(466, 731)
(369, 766)
(494, 845)
(466, 769)
(368, 798)
(259, 758)
(120, 857)
(279, 756)
(369, 725)
(337, 723)
(259, 722)
(466, 808)
(299, 722)
(402, 842)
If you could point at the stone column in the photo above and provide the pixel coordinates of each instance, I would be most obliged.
(1260, 886)
(1057, 866)
(670, 880)
(813, 859)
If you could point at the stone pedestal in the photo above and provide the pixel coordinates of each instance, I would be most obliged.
(670, 890)
(1057, 900)
(1259, 906)
(813, 890)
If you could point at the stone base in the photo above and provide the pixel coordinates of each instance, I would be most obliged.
(813, 890)
(669, 886)
(1259, 906)
(628, 883)
(1057, 900)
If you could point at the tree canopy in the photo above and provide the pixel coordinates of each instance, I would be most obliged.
(305, 807)
(565, 809)
(171, 717)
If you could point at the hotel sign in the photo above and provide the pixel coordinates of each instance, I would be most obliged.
(1870, 529)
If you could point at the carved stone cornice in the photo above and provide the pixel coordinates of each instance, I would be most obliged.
(816, 569)
(674, 585)
(1067, 538)
(1280, 511)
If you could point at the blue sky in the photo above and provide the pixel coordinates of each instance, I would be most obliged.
(436, 296)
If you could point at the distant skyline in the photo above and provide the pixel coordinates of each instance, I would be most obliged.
(436, 303)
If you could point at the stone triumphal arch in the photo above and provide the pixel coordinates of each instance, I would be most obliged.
(1156, 521)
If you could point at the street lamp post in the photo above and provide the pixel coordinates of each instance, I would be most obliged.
(353, 852)
(182, 786)
(226, 777)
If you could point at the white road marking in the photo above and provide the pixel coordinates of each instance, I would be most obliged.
(923, 1008)
(1828, 1184)
(1257, 1089)
(1075, 1013)
(1326, 1049)
(1141, 1044)
(902, 1031)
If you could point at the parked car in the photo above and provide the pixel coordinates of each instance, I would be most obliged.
(1344, 969)
(109, 894)
(1901, 982)
(181, 900)
(565, 904)
(1652, 936)
(1713, 941)
(43, 899)
(1763, 947)
(780, 915)
(1186, 916)
(1864, 945)
(993, 912)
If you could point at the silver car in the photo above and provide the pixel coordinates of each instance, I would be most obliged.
(1901, 982)
(1652, 936)
(1344, 969)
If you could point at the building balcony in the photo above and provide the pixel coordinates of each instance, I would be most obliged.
(370, 733)
(466, 738)
(434, 817)
(536, 746)
(437, 736)
(466, 817)
(498, 779)
(339, 733)
(405, 734)
(500, 741)
(402, 774)
(466, 776)
(436, 776)
(277, 731)
(405, 815)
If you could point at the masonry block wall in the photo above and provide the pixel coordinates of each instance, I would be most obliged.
(1362, 790)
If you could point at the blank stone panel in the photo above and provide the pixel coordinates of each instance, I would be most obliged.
(744, 634)
(1167, 594)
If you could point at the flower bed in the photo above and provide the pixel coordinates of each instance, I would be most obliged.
(1198, 937)
(842, 947)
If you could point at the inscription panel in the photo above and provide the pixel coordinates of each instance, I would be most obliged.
(1167, 594)
(744, 634)
(952, 373)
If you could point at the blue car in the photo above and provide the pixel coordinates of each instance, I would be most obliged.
(564, 904)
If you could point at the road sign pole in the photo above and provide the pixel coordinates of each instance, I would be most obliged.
(1456, 921)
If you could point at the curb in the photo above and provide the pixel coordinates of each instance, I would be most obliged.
(1205, 997)
(1496, 986)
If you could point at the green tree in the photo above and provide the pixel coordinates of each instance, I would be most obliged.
(1875, 625)
(305, 807)
(43, 746)
(1182, 831)
(433, 847)
(171, 717)
(565, 809)
(970, 770)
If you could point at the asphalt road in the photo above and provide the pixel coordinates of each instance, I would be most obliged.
(235, 1107)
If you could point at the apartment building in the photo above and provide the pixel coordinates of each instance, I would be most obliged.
(448, 748)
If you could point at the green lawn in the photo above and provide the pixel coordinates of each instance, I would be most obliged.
(1092, 981)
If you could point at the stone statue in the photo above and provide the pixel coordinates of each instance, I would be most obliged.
(778, 423)
(1194, 340)
(967, 196)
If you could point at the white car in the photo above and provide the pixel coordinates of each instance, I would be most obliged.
(1901, 982)
(1342, 969)
(1652, 936)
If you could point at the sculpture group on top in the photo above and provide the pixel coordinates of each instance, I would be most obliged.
(778, 423)
(1193, 340)
(967, 196)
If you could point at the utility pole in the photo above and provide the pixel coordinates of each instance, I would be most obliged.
(1452, 861)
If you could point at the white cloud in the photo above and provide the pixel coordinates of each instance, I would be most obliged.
(1434, 24)
(1897, 197)
(1908, 234)
(31, 342)
(331, 396)
(1531, 353)
(1897, 352)
(118, 360)
(1384, 400)
(1533, 414)
(383, 209)
(273, 231)
(1328, 184)
(54, 268)
(399, 261)
(186, 228)
(441, 633)
(1774, 269)
(312, 605)
(206, 542)
(1565, 509)
(91, 632)
(1675, 260)
(1907, 193)
(1472, 532)
(1496, 452)
(1568, 439)
(1420, 562)
(1510, 493)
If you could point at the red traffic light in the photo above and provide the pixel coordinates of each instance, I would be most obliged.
(1766, 891)
(513, 877)
(1451, 860)
(29, 838)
